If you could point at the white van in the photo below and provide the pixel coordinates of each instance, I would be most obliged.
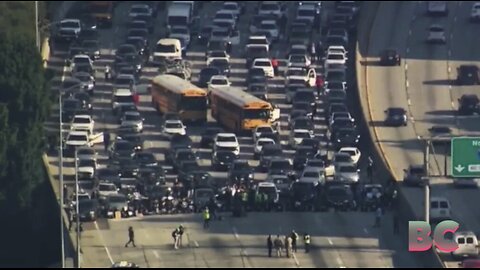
(167, 48)
(439, 209)
(179, 14)
(467, 245)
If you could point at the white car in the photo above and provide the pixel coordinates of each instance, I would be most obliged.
(181, 33)
(436, 34)
(297, 135)
(335, 58)
(226, 141)
(77, 138)
(217, 55)
(307, 12)
(140, 10)
(83, 122)
(262, 129)
(258, 41)
(122, 97)
(172, 127)
(308, 76)
(260, 143)
(265, 64)
(225, 16)
(475, 13)
(270, 7)
(71, 25)
(312, 175)
(328, 169)
(106, 189)
(218, 81)
(271, 27)
(437, 8)
(86, 168)
(342, 159)
(353, 152)
(132, 119)
(299, 60)
(81, 59)
(337, 49)
(232, 7)
(335, 85)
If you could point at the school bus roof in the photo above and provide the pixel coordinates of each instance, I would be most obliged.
(241, 98)
(177, 84)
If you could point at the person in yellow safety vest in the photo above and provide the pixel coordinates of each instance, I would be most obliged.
(206, 218)
(258, 200)
(306, 238)
(244, 198)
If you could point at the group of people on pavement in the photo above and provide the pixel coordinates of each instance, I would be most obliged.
(289, 243)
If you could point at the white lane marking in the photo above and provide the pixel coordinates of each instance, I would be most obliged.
(407, 83)
(453, 104)
(156, 254)
(365, 230)
(410, 32)
(449, 69)
(296, 260)
(340, 262)
(409, 102)
(406, 66)
(103, 243)
(455, 19)
(235, 233)
(408, 49)
(196, 244)
(330, 241)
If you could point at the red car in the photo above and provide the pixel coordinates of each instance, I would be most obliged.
(470, 263)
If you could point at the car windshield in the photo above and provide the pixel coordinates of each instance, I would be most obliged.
(335, 57)
(81, 120)
(69, 24)
(263, 63)
(86, 152)
(165, 48)
(219, 62)
(296, 72)
(280, 164)
(173, 125)
(297, 59)
(185, 155)
(225, 155)
(219, 81)
(123, 146)
(107, 187)
(82, 138)
(348, 169)
(271, 191)
(226, 139)
(269, 7)
(256, 114)
(117, 199)
(133, 117)
(417, 171)
(123, 99)
(220, 32)
(306, 13)
(311, 174)
(393, 112)
(86, 163)
(272, 152)
(300, 135)
(350, 152)
(258, 41)
(265, 142)
(343, 158)
(180, 30)
(81, 60)
(138, 9)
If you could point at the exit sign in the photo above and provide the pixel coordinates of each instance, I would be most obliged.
(465, 157)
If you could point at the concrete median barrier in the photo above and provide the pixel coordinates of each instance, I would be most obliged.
(383, 170)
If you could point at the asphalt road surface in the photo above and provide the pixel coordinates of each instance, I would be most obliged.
(423, 86)
(344, 239)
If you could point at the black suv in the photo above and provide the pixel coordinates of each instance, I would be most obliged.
(302, 154)
(240, 172)
(223, 160)
(396, 117)
(390, 58)
(468, 104)
(268, 152)
(304, 196)
(468, 75)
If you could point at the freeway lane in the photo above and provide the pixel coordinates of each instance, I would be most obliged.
(430, 95)
(339, 239)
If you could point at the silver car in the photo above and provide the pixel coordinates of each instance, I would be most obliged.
(133, 120)
(347, 174)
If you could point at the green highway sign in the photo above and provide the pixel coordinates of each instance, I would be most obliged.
(465, 157)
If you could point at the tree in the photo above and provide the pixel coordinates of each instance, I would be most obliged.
(25, 106)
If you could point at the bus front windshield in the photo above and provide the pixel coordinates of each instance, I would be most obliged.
(256, 114)
(193, 103)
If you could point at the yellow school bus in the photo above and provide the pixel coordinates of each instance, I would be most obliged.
(173, 94)
(240, 111)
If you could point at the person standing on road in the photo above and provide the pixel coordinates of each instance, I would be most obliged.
(370, 169)
(106, 139)
(294, 237)
(288, 245)
(275, 66)
(378, 216)
(175, 236)
(313, 52)
(107, 72)
(206, 218)
(319, 83)
(131, 237)
(278, 245)
(269, 245)
(306, 238)
(69, 211)
(181, 230)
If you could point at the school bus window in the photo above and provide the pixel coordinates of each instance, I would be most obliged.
(256, 114)
(193, 103)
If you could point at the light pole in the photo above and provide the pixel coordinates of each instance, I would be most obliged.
(37, 34)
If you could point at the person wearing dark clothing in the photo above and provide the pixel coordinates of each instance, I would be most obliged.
(294, 237)
(396, 225)
(69, 212)
(106, 140)
(212, 206)
(319, 49)
(313, 52)
(275, 66)
(269, 245)
(65, 194)
(319, 83)
(131, 237)
(181, 230)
